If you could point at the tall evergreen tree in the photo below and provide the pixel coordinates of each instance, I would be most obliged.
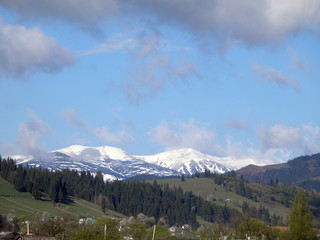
(19, 183)
(103, 205)
(54, 190)
(300, 218)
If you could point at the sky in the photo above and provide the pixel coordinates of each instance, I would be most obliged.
(225, 77)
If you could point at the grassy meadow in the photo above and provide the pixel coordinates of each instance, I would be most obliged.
(21, 203)
(206, 186)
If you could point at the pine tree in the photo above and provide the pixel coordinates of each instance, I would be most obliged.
(300, 218)
(36, 192)
(60, 196)
(182, 178)
(53, 190)
(266, 216)
(103, 205)
(19, 182)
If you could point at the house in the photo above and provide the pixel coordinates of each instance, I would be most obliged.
(86, 220)
(82, 220)
(120, 228)
(186, 227)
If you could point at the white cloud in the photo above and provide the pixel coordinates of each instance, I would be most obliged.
(252, 23)
(311, 138)
(84, 12)
(27, 140)
(276, 144)
(27, 51)
(299, 140)
(293, 15)
(146, 44)
(152, 74)
(111, 46)
(29, 133)
(270, 74)
(234, 149)
(151, 69)
(121, 137)
(280, 137)
(71, 116)
(189, 134)
(233, 21)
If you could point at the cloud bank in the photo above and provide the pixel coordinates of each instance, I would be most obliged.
(304, 139)
(27, 140)
(27, 51)
(228, 21)
(232, 21)
(189, 134)
(275, 144)
(84, 12)
(152, 68)
(121, 137)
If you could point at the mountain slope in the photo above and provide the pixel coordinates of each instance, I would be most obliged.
(187, 161)
(115, 163)
(304, 171)
(17, 203)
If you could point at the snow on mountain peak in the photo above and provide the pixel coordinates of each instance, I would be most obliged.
(100, 153)
(187, 161)
(115, 163)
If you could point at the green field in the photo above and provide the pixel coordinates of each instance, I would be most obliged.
(206, 186)
(21, 203)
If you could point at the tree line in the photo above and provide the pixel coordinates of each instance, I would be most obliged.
(68, 227)
(128, 198)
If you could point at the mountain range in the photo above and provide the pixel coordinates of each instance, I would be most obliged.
(114, 163)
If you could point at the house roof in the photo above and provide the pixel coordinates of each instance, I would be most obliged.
(10, 236)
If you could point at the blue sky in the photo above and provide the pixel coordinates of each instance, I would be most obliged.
(227, 78)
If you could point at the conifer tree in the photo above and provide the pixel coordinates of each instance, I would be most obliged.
(300, 218)
(19, 183)
(103, 205)
(182, 178)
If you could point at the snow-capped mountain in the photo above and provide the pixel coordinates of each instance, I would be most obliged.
(188, 161)
(115, 163)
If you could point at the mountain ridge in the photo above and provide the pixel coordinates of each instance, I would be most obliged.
(115, 163)
(175, 159)
(303, 171)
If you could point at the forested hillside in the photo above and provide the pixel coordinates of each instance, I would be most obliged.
(177, 205)
(303, 171)
(129, 198)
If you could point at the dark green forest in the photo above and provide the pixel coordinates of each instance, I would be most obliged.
(152, 199)
(128, 198)
(303, 171)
